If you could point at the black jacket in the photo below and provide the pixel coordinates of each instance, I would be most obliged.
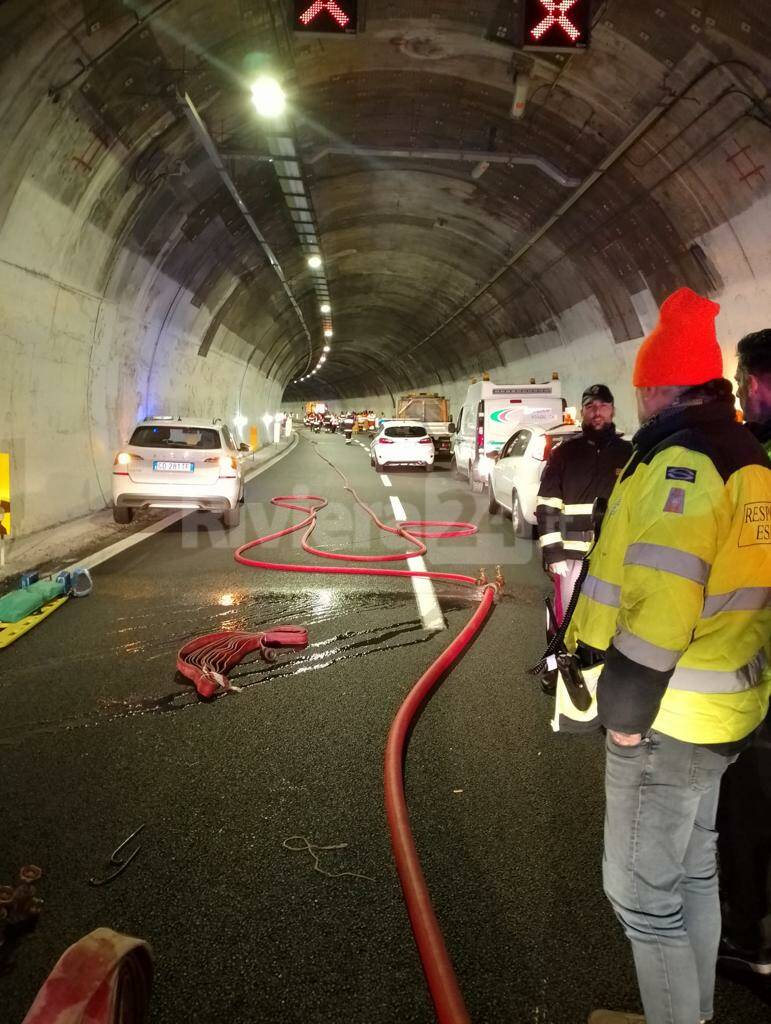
(580, 470)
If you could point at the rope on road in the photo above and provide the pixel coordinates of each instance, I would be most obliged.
(306, 844)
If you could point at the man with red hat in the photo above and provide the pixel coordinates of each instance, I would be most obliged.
(676, 604)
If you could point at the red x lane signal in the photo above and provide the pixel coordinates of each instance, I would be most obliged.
(327, 16)
(557, 24)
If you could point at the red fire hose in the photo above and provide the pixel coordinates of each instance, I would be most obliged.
(440, 974)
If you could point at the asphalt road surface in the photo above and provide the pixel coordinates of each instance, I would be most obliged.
(97, 738)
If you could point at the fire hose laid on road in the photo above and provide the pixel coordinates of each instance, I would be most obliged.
(438, 968)
(105, 977)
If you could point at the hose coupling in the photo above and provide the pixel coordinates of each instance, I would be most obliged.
(482, 580)
(500, 582)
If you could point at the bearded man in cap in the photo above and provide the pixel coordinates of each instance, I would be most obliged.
(580, 470)
(676, 604)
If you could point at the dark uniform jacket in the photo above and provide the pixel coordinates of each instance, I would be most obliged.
(580, 470)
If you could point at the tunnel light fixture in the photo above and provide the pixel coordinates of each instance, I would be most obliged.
(314, 262)
(327, 348)
(268, 97)
(327, 332)
(326, 308)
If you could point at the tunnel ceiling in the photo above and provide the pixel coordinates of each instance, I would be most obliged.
(445, 225)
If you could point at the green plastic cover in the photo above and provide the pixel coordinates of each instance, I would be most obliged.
(20, 603)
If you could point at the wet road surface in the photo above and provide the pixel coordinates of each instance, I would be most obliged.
(97, 737)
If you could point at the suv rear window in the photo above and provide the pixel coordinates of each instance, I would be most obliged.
(405, 431)
(176, 436)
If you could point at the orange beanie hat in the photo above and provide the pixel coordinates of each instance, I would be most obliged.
(682, 348)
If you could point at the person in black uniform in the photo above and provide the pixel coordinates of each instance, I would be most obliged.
(579, 471)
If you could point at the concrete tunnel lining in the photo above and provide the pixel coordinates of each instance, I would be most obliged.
(128, 286)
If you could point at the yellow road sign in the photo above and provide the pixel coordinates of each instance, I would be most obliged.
(5, 493)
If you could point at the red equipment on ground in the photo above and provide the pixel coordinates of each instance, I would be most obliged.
(104, 978)
(206, 660)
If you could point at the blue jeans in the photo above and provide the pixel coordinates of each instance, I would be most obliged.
(660, 869)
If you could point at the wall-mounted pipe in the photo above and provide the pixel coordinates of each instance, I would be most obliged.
(472, 156)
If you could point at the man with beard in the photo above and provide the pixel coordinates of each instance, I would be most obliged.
(579, 471)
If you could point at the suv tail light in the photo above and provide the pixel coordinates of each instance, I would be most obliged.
(228, 464)
(122, 459)
(426, 440)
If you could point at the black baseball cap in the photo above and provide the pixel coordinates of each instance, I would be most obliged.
(597, 392)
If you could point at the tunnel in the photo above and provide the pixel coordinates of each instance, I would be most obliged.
(445, 192)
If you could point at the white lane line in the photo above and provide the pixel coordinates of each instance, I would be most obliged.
(136, 538)
(425, 595)
(385, 480)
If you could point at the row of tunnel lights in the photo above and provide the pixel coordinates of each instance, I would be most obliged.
(269, 100)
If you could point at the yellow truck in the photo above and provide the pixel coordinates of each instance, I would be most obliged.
(433, 411)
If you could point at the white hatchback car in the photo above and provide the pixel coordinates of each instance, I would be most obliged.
(402, 443)
(179, 464)
(517, 471)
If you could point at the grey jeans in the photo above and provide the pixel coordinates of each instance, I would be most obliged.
(660, 869)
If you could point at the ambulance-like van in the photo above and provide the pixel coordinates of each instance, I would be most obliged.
(491, 413)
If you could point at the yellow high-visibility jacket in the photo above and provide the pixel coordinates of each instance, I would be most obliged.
(678, 592)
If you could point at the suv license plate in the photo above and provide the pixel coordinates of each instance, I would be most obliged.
(174, 467)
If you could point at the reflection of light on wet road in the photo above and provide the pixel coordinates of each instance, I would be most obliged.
(226, 600)
(323, 599)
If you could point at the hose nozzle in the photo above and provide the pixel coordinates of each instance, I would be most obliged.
(482, 579)
(500, 582)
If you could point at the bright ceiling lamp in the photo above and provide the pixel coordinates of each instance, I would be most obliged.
(268, 97)
(327, 348)
(314, 262)
(327, 332)
(326, 308)
(323, 359)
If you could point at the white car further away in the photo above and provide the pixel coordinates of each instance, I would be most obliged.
(179, 464)
(402, 443)
(517, 471)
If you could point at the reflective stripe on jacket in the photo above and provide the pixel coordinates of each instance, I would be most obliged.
(679, 587)
(578, 471)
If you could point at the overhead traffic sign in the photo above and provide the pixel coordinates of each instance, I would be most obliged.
(555, 25)
(331, 17)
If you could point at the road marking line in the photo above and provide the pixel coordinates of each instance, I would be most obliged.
(136, 538)
(385, 480)
(425, 595)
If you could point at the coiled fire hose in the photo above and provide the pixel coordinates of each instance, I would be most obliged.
(440, 974)
(104, 978)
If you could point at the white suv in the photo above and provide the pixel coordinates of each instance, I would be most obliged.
(179, 464)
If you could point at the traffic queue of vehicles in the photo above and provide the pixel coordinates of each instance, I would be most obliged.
(501, 439)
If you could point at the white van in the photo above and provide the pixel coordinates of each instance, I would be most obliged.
(490, 415)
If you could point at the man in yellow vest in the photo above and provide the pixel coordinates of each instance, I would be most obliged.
(676, 603)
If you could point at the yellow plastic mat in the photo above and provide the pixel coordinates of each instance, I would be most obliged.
(10, 631)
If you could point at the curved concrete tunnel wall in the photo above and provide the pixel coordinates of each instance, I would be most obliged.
(90, 340)
(580, 345)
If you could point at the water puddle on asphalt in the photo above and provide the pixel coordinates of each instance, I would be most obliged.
(252, 612)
